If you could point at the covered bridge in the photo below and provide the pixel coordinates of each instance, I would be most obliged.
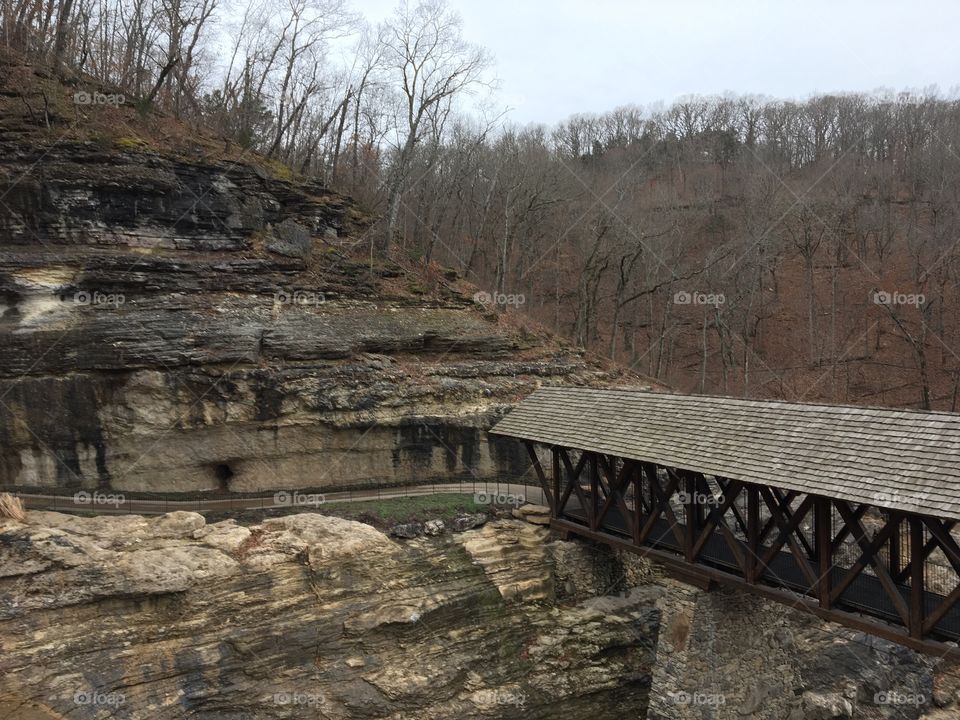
(846, 511)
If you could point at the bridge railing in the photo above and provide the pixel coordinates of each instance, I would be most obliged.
(112, 502)
(842, 557)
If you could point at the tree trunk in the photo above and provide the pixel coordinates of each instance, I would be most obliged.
(63, 21)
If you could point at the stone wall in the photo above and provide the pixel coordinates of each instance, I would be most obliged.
(726, 654)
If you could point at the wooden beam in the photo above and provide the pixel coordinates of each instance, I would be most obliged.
(868, 553)
(716, 521)
(616, 483)
(594, 492)
(573, 481)
(931, 620)
(753, 532)
(917, 594)
(662, 507)
(949, 547)
(788, 506)
(771, 522)
(636, 472)
(787, 531)
(947, 544)
(869, 550)
(845, 528)
(691, 514)
(724, 484)
(823, 535)
(541, 477)
(557, 509)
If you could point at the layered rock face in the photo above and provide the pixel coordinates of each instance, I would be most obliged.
(187, 319)
(313, 616)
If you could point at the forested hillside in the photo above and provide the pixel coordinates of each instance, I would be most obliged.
(737, 245)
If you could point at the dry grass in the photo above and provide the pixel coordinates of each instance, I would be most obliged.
(680, 631)
(12, 507)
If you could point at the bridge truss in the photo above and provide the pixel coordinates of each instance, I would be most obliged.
(889, 572)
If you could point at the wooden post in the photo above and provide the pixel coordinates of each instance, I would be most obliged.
(691, 512)
(594, 492)
(653, 476)
(636, 470)
(896, 561)
(917, 594)
(556, 481)
(823, 541)
(753, 532)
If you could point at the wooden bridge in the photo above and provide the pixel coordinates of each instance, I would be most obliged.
(845, 511)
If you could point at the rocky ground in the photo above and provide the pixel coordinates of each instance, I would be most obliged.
(316, 616)
(312, 616)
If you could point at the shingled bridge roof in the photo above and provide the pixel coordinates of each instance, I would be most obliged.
(899, 459)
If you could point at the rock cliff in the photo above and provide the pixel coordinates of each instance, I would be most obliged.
(180, 316)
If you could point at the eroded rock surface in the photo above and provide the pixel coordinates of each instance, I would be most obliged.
(314, 616)
(309, 616)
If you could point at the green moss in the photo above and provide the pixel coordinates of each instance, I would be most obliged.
(278, 170)
(130, 143)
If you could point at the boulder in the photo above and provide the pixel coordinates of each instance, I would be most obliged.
(462, 523)
(407, 531)
(536, 514)
(434, 527)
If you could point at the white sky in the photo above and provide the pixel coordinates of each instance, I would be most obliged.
(558, 57)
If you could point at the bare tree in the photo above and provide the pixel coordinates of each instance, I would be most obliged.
(424, 51)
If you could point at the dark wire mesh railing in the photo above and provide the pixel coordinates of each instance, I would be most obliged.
(865, 593)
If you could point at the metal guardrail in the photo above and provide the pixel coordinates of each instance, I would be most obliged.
(103, 502)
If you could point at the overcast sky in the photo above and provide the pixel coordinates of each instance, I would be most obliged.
(558, 57)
